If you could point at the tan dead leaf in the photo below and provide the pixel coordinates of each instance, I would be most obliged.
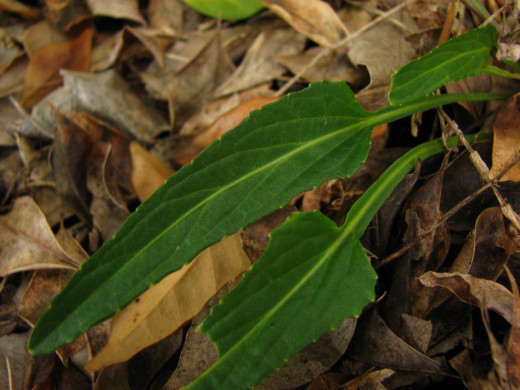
(484, 293)
(103, 95)
(148, 173)
(118, 9)
(42, 75)
(43, 287)
(260, 63)
(168, 305)
(506, 140)
(27, 242)
(332, 65)
(313, 18)
(42, 34)
(166, 15)
(16, 361)
(382, 49)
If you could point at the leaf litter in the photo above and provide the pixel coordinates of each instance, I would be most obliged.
(110, 101)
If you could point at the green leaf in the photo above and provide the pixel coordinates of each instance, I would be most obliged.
(294, 292)
(284, 149)
(464, 56)
(280, 151)
(311, 277)
(226, 9)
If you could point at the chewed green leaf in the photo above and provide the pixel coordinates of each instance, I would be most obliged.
(226, 9)
(464, 56)
(308, 281)
(284, 149)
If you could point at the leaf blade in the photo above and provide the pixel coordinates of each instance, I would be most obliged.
(303, 140)
(464, 56)
(319, 281)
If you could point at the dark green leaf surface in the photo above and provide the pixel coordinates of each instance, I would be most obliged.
(310, 278)
(284, 149)
(464, 56)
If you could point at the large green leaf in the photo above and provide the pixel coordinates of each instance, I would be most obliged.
(278, 152)
(297, 290)
(286, 148)
(311, 277)
(464, 56)
(226, 9)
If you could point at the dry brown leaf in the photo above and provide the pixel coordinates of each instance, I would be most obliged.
(332, 65)
(382, 49)
(118, 9)
(148, 173)
(506, 140)
(27, 242)
(260, 64)
(104, 95)
(313, 18)
(16, 361)
(42, 75)
(484, 293)
(66, 14)
(168, 305)
(513, 344)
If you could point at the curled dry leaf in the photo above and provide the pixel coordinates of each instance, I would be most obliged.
(27, 241)
(479, 292)
(313, 18)
(168, 305)
(506, 140)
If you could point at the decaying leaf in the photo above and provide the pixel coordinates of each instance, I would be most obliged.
(27, 242)
(506, 140)
(486, 294)
(168, 305)
(103, 95)
(313, 18)
(260, 62)
(42, 75)
(119, 9)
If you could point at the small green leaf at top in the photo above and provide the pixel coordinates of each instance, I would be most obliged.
(226, 9)
(464, 56)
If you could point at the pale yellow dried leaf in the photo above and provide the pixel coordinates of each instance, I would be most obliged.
(313, 18)
(119, 9)
(148, 173)
(168, 305)
(27, 241)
